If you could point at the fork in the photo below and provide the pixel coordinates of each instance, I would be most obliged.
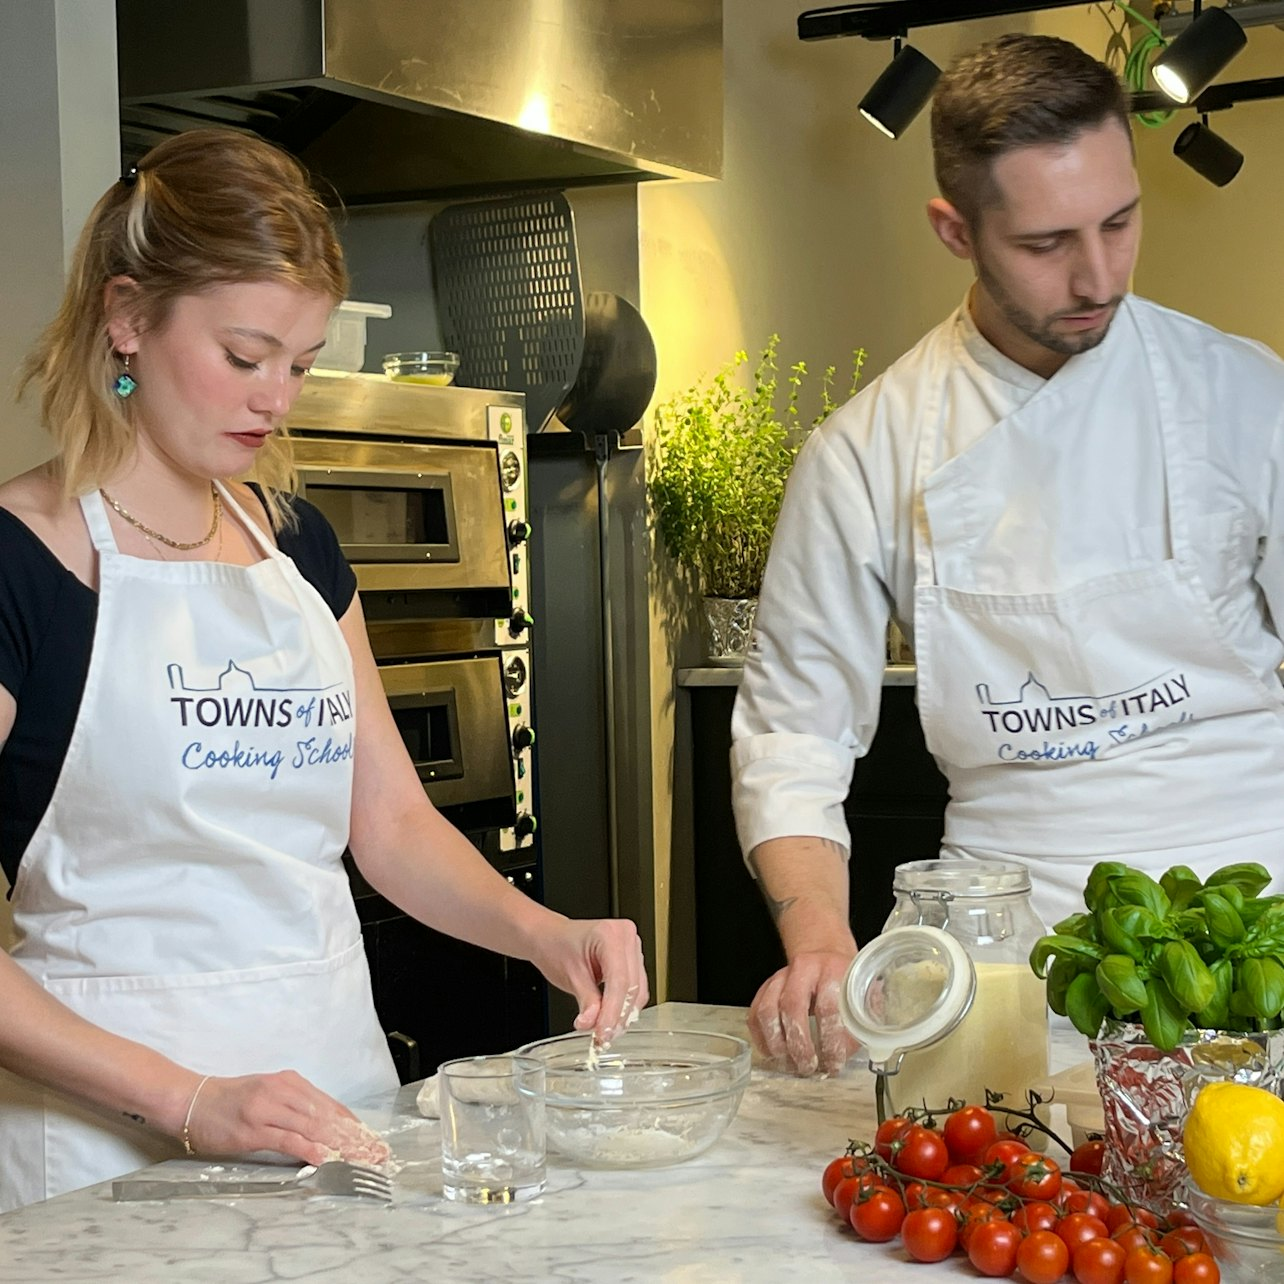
(336, 1177)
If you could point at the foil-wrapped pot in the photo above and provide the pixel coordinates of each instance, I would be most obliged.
(1146, 1095)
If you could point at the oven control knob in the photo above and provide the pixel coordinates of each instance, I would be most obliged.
(518, 532)
(525, 825)
(523, 738)
(519, 622)
(514, 676)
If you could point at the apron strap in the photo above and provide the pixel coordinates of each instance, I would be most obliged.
(265, 545)
(94, 507)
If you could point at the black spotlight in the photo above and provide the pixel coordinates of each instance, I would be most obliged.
(1190, 63)
(901, 92)
(1208, 154)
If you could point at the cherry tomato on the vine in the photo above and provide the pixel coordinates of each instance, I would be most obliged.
(950, 1200)
(914, 1193)
(1042, 1258)
(1181, 1241)
(992, 1248)
(877, 1214)
(1032, 1176)
(848, 1190)
(1131, 1236)
(968, 1132)
(1099, 1261)
(1036, 1215)
(1079, 1228)
(961, 1174)
(1087, 1201)
(930, 1234)
(974, 1214)
(837, 1169)
(921, 1152)
(1147, 1266)
(1004, 1152)
(1198, 1268)
(1088, 1158)
(889, 1132)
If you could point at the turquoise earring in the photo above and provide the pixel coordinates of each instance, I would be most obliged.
(125, 383)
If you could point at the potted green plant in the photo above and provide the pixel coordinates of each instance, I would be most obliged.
(720, 457)
(1176, 982)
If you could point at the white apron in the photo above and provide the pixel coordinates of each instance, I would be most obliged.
(185, 887)
(1108, 718)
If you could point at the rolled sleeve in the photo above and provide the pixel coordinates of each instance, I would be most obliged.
(1270, 567)
(808, 703)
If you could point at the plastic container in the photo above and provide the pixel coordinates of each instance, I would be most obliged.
(1075, 1088)
(434, 368)
(345, 335)
(1001, 1042)
(653, 1098)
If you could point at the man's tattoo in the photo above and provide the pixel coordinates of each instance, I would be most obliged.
(776, 907)
(138, 1119)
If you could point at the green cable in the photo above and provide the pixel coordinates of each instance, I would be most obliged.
(1137, 64)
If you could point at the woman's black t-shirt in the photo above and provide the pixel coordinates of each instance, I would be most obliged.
(47, 619)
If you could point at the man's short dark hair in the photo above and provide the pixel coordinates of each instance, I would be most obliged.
(1017, 91)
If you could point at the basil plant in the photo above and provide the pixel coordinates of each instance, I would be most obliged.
(1173, 955)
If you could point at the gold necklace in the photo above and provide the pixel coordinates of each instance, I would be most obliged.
(165, 539)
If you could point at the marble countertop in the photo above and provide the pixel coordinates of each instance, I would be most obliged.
(747, 1211)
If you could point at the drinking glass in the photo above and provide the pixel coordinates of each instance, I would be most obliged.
(492, 1129)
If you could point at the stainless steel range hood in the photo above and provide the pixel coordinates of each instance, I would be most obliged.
(405, 99)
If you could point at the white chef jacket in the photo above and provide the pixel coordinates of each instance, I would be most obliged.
(843, 558)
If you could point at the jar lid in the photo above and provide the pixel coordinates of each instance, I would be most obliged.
(979, 878)
(907, 989)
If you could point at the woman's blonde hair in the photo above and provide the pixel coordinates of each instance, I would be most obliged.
(206, 208)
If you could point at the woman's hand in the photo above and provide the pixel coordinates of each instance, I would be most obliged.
(281, 1112)
(599, 963)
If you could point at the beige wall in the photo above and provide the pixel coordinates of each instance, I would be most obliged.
(817, 232)
(59, 149)
(1211, 251)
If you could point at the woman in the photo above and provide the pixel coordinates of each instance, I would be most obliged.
(185, 928)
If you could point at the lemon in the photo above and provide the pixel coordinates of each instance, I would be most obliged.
(1234, 1143)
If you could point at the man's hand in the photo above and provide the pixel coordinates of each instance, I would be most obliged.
(780, 1017)
(804, 882)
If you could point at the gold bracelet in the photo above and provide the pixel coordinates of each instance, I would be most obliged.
(187, 1123)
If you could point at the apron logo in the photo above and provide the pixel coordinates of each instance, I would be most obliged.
(1036, 710)
(236, 700)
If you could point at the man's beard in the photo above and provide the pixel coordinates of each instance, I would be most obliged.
(1040, 330)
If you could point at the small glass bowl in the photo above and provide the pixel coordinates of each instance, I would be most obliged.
(654, 1097)
(1246, 1239)
(434, 368)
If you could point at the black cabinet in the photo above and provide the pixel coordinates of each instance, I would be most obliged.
(438, 998)
(895, 811)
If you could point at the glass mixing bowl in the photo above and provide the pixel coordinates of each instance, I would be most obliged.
(434, 368)
(1246, 1239)
(653, 1098)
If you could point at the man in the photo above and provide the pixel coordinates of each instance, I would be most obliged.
(1067, 498)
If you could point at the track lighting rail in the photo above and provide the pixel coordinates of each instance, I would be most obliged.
(1214, 98)
(885, 19)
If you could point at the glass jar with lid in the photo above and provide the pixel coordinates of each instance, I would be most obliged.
(1000, 1039)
